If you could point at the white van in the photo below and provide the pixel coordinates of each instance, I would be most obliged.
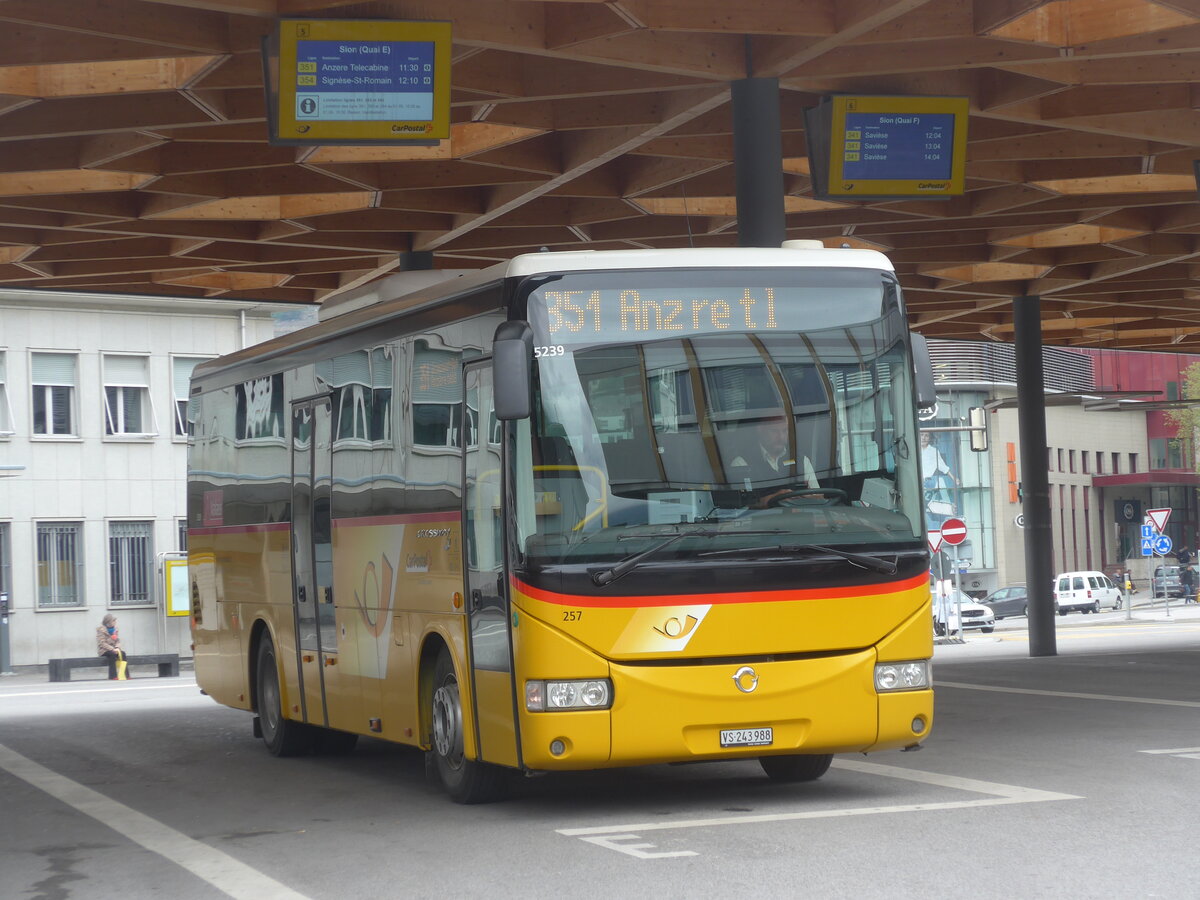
(1086, 592)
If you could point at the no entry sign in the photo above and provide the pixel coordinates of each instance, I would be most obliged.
(954, 531)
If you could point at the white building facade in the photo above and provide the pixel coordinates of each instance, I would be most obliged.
(93, 458)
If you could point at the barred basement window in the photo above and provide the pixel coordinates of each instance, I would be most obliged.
(59, 564)
(5, 561)
(130, 563)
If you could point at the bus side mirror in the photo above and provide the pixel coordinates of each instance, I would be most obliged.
(512, 372)
(923, 373)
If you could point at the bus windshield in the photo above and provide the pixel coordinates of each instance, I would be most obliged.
(753, 408)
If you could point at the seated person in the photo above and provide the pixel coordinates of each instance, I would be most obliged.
(770, 461)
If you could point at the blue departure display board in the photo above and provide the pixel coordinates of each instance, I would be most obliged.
(887, 147)
(348, 81)
(894, 146)
(358, 81)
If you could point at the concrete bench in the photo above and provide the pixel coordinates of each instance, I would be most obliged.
(168, 664)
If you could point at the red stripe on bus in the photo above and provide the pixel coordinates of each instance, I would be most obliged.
(399, 519)
(242, 529)
(892, 587)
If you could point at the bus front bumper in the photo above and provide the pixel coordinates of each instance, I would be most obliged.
(677, 713)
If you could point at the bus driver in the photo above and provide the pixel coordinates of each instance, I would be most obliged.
(769, 461)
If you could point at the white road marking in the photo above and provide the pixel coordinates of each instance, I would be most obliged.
(611, 841)
(998, 795)
(1108, 697)
(222, 871)
(103, 690)
(1182, 752)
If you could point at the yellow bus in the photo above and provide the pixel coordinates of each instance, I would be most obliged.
(575, 510)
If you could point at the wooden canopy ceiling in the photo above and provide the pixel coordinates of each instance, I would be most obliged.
(134, 154)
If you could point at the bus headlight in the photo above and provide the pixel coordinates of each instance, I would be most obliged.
(592, 693)
(912, 675)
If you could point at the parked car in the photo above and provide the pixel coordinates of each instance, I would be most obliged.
(974, 613)
(1008, 601)
(1165, 582)
(1086, 592)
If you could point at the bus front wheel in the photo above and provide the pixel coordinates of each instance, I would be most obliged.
(283, 737)
(465, 780)
(792, 769)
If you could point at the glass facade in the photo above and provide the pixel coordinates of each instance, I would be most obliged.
(957, 483)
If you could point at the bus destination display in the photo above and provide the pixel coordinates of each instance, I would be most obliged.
(359, 82)
(586, 315)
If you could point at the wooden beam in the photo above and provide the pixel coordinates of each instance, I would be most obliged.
(126, 20)
(581, 157)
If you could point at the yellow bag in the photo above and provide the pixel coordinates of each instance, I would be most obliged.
(121, 664)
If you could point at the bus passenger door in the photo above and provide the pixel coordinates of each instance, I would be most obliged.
(491, 665)
(312, 554)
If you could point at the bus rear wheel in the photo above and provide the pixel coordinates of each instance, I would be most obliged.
(465, 780)
(283, 737)
(793, 769)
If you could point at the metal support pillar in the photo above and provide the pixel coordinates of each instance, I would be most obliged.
(1035, 476)
(758, 162)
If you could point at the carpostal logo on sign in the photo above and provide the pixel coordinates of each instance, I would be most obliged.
(412, 129)
(933, 185)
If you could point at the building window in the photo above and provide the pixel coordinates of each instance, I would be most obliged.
(362, 394)
(258, 414)
(181, 379)
(1133, 463)
(5, 410)
(1158, 453)
(127, 407)
(130, 563)
(1172, 390)
(1099, 462)
(1071, 459)
(437, 397)
(181, 536)
(1116, 463)
(59, 564)
(53, 383)
(1060, 460)
(1086, 459)
(1174, 455)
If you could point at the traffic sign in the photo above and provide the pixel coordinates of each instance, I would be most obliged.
(1159, 518)
(1162, 545)
(935, 540)
(1147, 546)
(954, 531)
(1147, 530)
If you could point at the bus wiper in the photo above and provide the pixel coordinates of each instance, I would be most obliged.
(863, 561)
(608, 576)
